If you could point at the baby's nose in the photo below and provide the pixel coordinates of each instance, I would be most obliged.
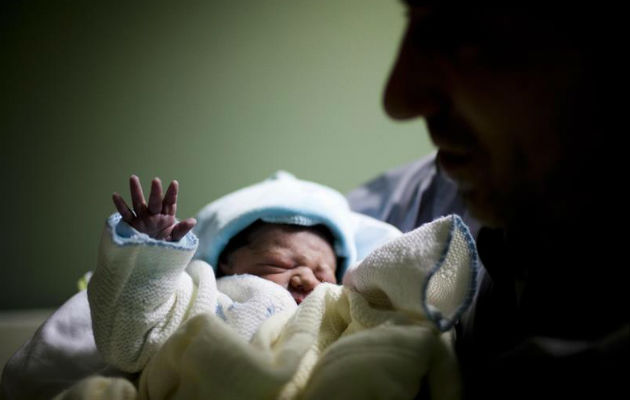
(303, 280)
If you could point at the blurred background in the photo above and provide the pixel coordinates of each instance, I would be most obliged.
(216, 94)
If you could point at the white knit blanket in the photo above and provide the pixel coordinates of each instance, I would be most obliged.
(143, 290)
(377, 336)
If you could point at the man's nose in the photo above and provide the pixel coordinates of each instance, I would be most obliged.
(414, 87)
(303, 280)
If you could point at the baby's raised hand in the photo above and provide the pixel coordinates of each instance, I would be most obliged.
(157, 219)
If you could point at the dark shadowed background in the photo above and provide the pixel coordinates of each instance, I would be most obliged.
(216, 94)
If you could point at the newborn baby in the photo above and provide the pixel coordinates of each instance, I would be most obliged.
(254, 253)
(156, 311)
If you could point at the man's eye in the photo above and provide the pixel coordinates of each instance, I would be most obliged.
(435, 36)
(443, 33)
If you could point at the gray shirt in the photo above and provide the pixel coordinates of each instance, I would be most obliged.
(411, 195)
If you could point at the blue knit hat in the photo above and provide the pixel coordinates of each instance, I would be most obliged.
(284, 199)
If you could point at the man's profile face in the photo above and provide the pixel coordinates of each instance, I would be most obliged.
(497, 92)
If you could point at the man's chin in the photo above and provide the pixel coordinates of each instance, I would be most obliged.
(483, 209)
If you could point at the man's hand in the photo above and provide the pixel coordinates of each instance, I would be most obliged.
(157, 219)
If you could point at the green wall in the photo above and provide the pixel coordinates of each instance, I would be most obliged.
(217, 94)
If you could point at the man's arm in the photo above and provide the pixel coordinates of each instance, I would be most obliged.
(60, 353)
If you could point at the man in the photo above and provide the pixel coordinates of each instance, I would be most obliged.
(519, 103)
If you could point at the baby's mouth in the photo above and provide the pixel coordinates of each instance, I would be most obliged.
(299, 297)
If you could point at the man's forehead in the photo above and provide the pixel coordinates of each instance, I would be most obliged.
(430, 4)
(457, 10)
(414, 2)
(497, 8)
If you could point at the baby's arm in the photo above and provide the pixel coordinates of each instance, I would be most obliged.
(144, 286)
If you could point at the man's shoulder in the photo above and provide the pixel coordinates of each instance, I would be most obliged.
(373, 196)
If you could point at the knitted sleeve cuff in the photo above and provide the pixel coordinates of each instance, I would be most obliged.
(124, 234)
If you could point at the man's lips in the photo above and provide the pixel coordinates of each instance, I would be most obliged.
(456, 147)
(446, 144)
(451, 135)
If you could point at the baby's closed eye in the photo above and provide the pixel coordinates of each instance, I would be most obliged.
(271, 267)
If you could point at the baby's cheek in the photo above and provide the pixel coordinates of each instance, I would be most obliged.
(329, 277)
(281, 279)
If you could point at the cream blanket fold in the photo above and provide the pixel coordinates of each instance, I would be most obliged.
(375, 337)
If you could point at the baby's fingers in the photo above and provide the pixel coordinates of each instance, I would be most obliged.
(169, 205)
(155, 198)
(137, 197)
(122, 208)
(182, 228)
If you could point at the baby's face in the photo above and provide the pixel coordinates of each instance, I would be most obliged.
(293, 257)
